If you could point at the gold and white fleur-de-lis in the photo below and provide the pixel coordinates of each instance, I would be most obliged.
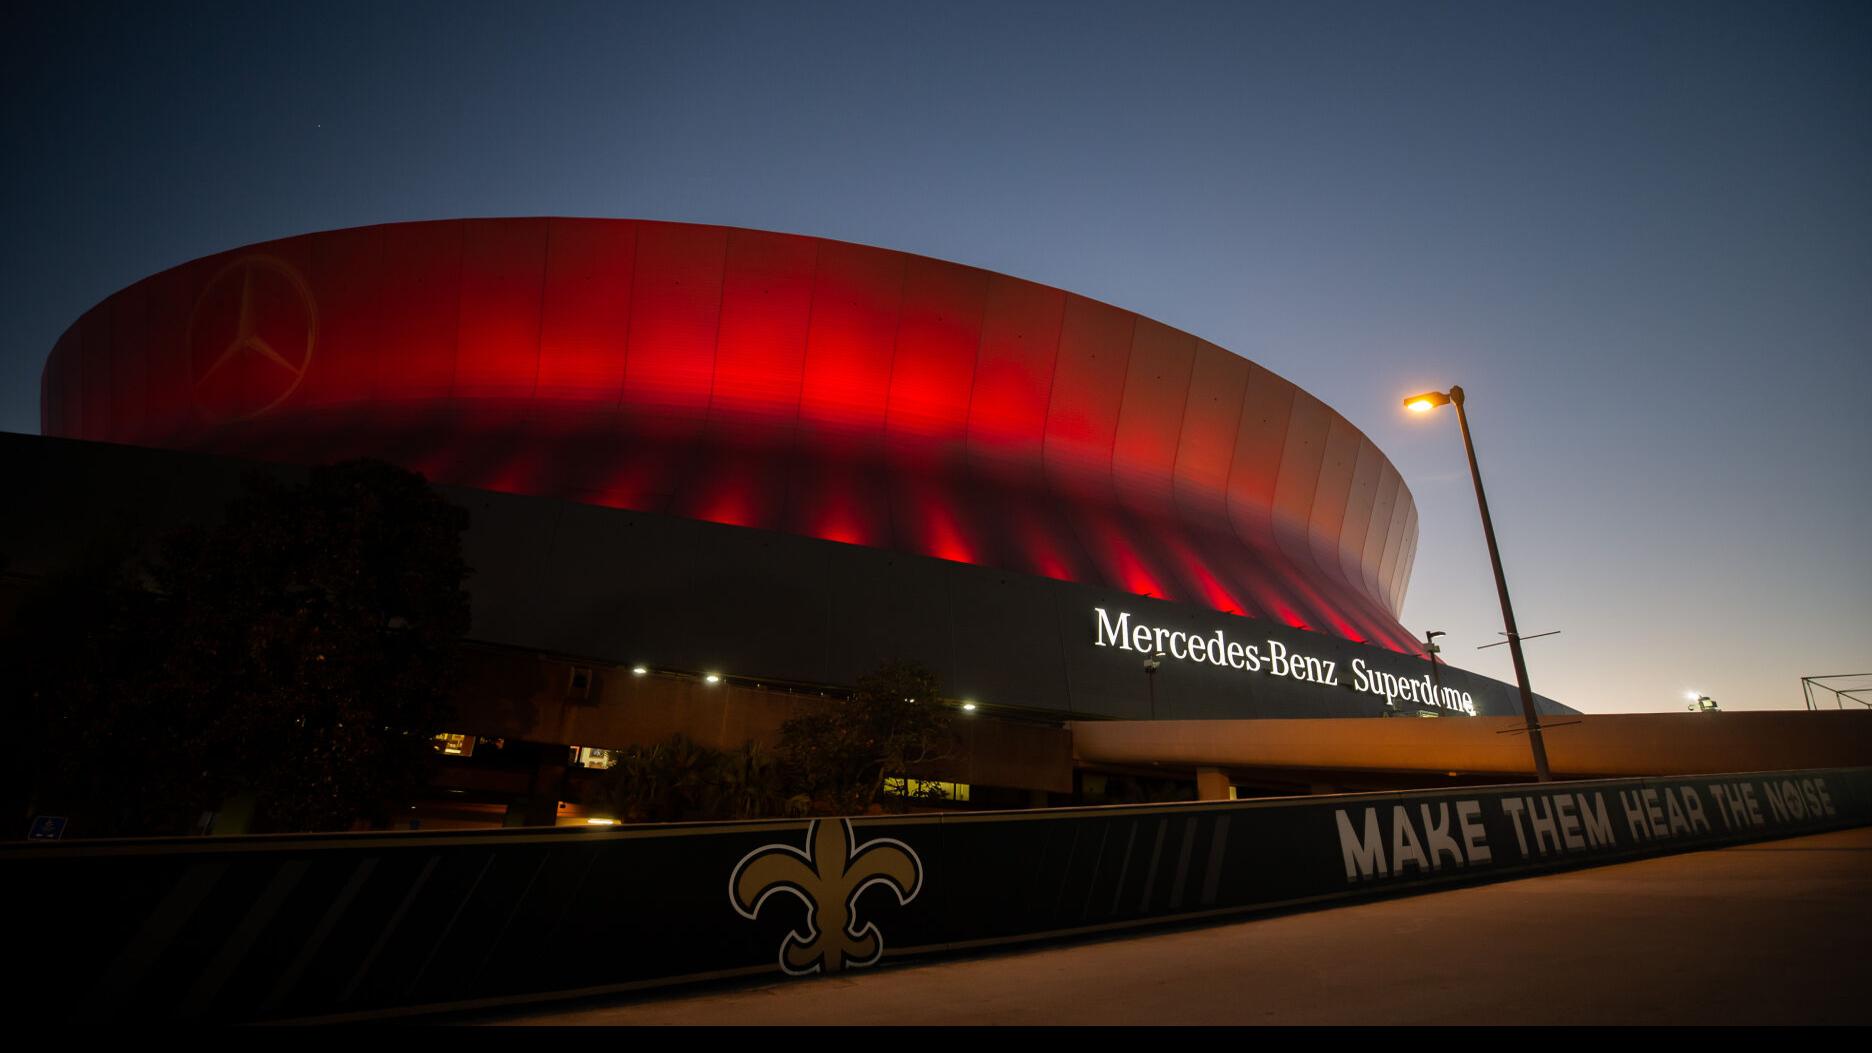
(828, 877)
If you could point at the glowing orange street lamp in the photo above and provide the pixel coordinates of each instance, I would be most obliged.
(1424, 403)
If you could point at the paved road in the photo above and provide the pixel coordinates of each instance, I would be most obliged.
(1773, 933)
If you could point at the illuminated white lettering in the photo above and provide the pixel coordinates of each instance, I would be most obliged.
(1776, 808)
(1751, 804)
(1635, 816)
(1468, 816)
(1693, 808)
(1598, 826)
(1436, 833)
(1823, 801)
(1569, 823)
(1512, 807)
(1118, 629)
(1110, 632)
(1796, 804)
(1541, 825)
(1405, 847)
(1364, 856)
(1678, 824)
(1654, 814)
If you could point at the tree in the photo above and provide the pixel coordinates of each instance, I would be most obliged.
(894, 721)
(669, 782)
(679, 779)
(753, 785)
(92, 742)
(301, 654)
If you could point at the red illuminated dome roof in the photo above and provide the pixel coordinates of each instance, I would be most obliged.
(764, 380)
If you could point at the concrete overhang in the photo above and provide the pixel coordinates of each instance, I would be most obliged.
(1577, 746)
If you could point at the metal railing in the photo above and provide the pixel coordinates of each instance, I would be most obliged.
(1841, 695)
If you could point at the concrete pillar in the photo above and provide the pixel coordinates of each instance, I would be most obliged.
(1212, 784)
(548, 788)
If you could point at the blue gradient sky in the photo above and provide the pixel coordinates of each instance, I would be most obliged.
(1639, 235)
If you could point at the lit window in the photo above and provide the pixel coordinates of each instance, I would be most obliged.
(592, 757)
(579, 682)
(924, 789)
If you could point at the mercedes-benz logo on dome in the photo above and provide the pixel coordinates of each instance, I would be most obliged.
(250, 337)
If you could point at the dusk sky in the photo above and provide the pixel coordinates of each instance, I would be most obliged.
(1639, 235)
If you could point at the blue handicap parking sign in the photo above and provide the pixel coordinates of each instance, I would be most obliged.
(46, 828)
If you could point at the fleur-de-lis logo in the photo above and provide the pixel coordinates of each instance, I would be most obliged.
(828, 877)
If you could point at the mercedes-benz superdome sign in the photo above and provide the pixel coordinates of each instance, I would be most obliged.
(1272, 658)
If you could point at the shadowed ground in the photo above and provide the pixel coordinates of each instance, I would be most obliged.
(1772, 933)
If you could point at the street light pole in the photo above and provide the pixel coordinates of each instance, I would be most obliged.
(1432, 650)
(1150, 677)
(1535, 742)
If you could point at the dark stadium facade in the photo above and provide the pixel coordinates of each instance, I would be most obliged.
(695, 451)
